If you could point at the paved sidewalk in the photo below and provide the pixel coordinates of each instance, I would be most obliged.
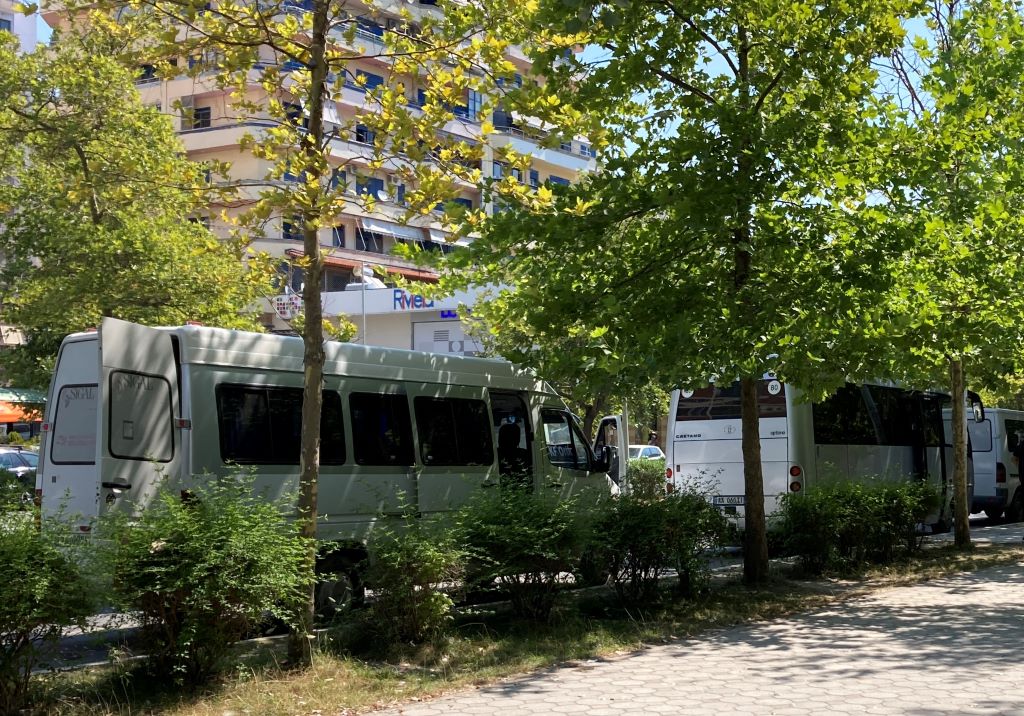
(950, 646)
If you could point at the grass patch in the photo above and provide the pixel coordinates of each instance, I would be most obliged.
(486, 645)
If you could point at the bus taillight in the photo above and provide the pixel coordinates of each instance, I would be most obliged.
(668, 473)
(795, 486)
(1000, 473)
(795, 471)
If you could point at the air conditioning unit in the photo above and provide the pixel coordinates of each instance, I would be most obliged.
(187, 102)
(394, 179)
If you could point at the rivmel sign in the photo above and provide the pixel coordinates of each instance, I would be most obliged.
(405, 301)
(377, 301)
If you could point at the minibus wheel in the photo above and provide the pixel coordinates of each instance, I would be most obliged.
(338, 592)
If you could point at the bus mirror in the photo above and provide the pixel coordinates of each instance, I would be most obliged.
(602, 459)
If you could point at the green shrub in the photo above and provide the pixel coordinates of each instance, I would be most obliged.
(201, 572)
(409, 564)
(42, 593)
(842, 525)
(525, 541)
(696, 530)
(15, 492)
(646, 478)
(637, 539)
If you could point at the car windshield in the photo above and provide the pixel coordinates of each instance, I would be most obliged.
(31, 458)
(634, 452)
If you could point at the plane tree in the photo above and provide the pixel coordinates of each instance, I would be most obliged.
(95, 202)
(952, 133)
(286, 65)
(719, 228)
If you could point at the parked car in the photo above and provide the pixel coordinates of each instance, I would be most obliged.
(21, 463)
(645, 452)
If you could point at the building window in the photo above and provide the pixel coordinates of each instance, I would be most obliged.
(364, 135)
(369, 241)
(292, 230)
(371, 186)
(5, 24)
(198, 118)
(499, 170)
(147, 73)
(338, 236)
(203, 221)
(565, 146)
(365, 80)
(534, 178)
(560, 181)
(294, 115)
(587, 150)
(335, 281)
(338, 179)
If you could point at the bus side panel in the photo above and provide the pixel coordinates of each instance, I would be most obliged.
(68, 474)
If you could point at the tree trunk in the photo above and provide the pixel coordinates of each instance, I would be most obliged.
(300, 642)
(962, 534)
(755, 539)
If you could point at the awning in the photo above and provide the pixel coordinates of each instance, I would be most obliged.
(401, 231)
(10, 413)
(22, 395)
(350, 261)
(443, 237)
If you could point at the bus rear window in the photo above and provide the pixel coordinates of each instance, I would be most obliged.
(723, 402)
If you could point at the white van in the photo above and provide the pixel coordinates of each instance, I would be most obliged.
(997, 473)
(130, 406)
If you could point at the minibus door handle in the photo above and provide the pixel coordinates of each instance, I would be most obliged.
(117, 485)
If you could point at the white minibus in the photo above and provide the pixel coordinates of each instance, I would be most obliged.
(130, 407)
(998, 443)
(860, 431)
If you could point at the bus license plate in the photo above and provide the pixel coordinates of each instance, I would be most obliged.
(727, 500)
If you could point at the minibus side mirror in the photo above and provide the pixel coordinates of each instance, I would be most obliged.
(977, 406)
(602, 459)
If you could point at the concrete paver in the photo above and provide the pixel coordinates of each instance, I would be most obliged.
(949, 646)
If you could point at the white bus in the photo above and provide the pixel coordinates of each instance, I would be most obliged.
(998, 443)
(130, 407)
(860, 431)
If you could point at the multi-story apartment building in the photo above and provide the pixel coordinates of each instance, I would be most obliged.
(385, 315)
(23, 27)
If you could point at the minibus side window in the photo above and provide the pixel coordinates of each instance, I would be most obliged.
(453, 431)
(263, 426)
(381, 429)
(74, 426)
(565, 446)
